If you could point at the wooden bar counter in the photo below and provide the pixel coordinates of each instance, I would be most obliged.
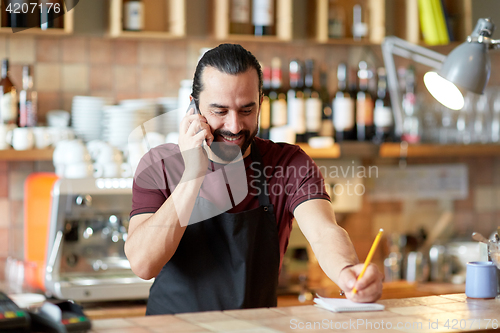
(444, 313)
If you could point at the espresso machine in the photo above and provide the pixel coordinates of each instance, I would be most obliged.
(87, 225)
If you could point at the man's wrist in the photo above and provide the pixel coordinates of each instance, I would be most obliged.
(346, 266)
(341, 292)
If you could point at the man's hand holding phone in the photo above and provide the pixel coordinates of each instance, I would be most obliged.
(193, 131)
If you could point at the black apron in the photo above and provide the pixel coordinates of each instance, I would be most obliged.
(230, 261)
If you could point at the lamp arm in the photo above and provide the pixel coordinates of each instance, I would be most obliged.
(396, 46)
(492, 43)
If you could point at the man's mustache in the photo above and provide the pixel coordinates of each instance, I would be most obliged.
(231, 135)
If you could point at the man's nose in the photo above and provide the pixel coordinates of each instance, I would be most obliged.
(233, 122)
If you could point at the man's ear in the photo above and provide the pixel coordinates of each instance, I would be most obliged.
(190, 98)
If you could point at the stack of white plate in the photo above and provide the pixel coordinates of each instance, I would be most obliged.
(86, 116)
(121, 120)
(168, 113)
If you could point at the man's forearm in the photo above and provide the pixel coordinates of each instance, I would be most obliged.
(152, 243)
(333, 256)
(329, 241)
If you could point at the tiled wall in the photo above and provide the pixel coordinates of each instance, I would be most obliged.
(123, 69)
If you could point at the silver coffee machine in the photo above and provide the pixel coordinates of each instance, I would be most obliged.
(88, 228)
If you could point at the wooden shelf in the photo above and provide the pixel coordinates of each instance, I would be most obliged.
(329, 152)
(360, 149)
(68, 19)
(175, 13)
(26, 155)
(435, 150)
(37, 31)
(393, 150)
(145, 35)
(252, 38)
(283, 23)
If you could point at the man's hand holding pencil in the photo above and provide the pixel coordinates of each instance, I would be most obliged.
(362, 282)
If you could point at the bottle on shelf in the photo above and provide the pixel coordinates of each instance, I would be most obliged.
(364, 104)
(481, 119)
(28, 101)
(336, 20)
(263, 17)
(239, 20)
(411, 121)
(265, 108)
(313, 102)
(133, 15)
(343, 107)
(327, 114)
(296, 102)
(51, 14)
(277, 95)
(8, 103)
(15, 17)
(382, 113)
(359, 25)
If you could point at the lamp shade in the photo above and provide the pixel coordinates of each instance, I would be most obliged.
(468, 66)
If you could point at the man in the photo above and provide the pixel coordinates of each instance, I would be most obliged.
(232, 259)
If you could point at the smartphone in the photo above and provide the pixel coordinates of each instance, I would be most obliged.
(193, 105)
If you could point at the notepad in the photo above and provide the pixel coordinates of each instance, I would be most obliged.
(345, 305)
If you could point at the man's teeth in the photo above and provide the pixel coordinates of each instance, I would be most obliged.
(231, 138)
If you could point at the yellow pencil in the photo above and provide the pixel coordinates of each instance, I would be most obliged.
(369, 257)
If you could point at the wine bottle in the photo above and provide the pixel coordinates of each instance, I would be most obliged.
(359, 25)
(277, 95)
(265, 107)
(411, 122)
(364, 105)
(296, 102)
(336, 20)
(263, 17)
(326, 115)
(133, 15)
(28, 101)
(343, 108)
(382, 113)
(51, 14)
(313, 102)
(8, 104)
(239, 22)
(15, 17)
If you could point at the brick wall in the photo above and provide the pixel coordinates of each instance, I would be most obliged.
(123, 69)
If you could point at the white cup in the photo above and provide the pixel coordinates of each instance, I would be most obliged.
(4, 129)
(152, 140)
(78, 170)
(60, 168)
(126, 170)
(107, 153)
(94, 147)
(107, 170)
(112, 170)
(70, 152)
(43, 137)
(21, 138)
(59, 134)
(58, 118)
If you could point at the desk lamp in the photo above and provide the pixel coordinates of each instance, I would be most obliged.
(466, 68)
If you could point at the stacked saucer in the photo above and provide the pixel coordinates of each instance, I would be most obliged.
(121, 120)
(86, 116)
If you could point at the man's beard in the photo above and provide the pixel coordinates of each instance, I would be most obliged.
(227, 151)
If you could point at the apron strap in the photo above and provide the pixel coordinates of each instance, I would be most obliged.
(256, 157)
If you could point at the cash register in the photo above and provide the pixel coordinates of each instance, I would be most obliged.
(59, 317)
